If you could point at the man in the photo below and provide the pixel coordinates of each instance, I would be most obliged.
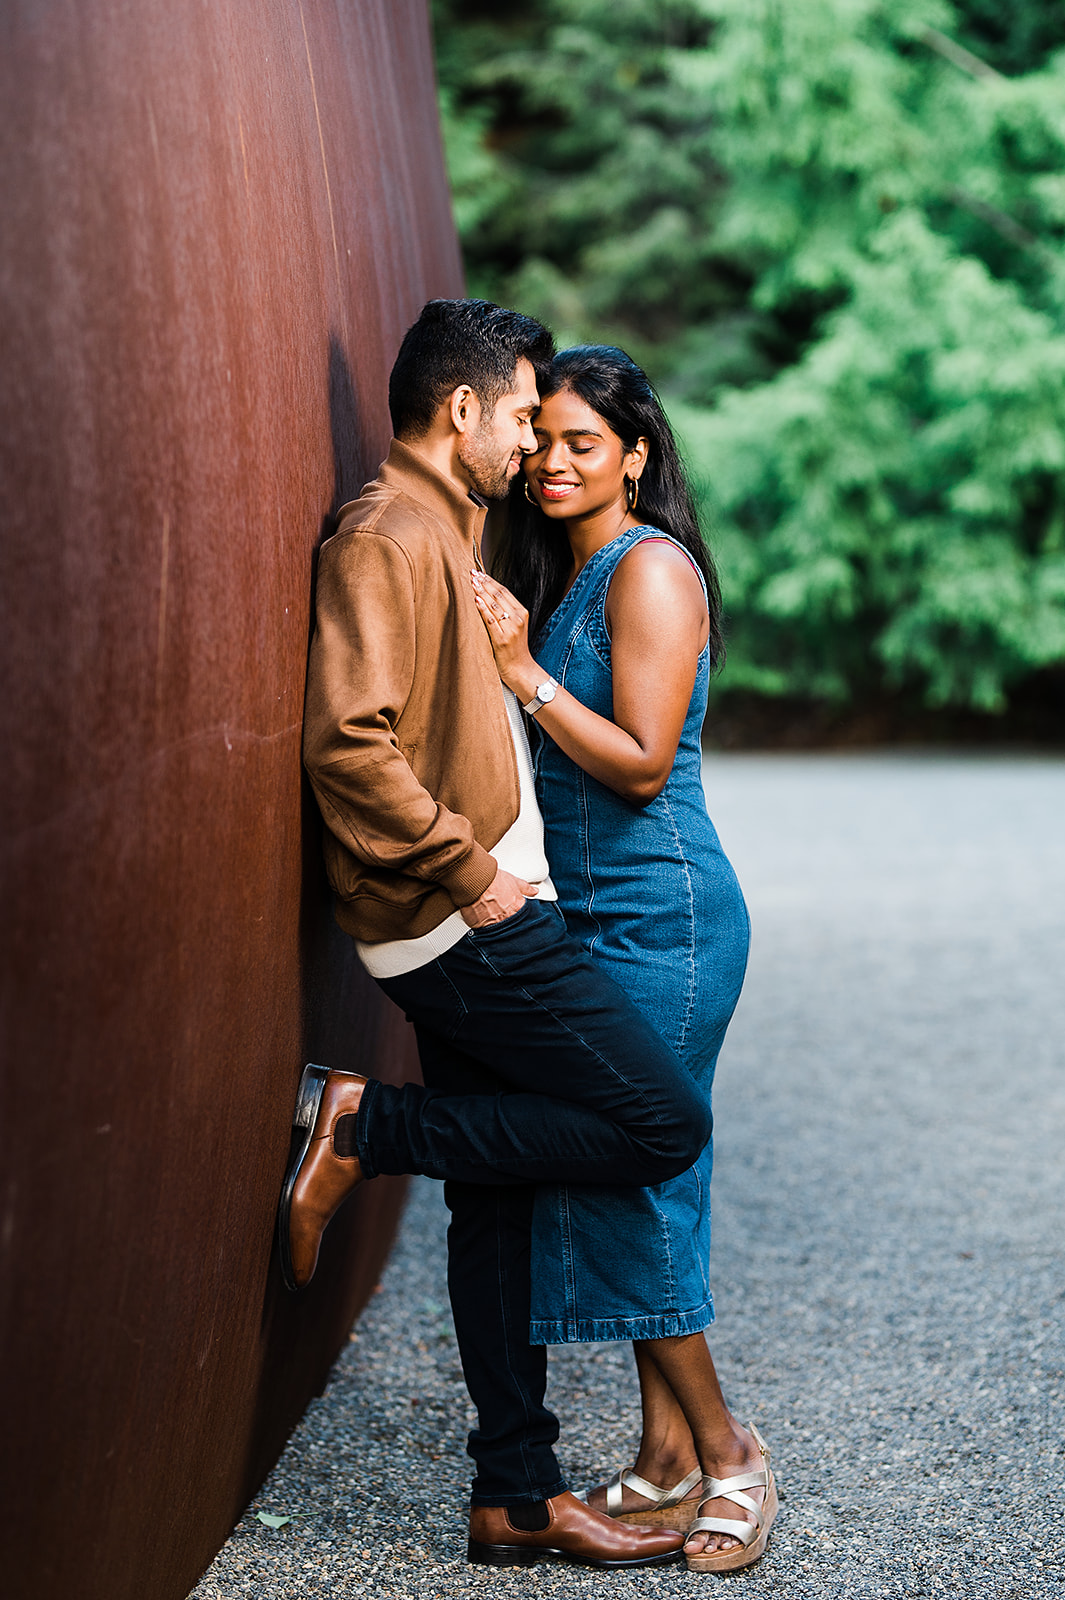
(537, 1068)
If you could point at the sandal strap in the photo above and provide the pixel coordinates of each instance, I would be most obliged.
(660, 1498)
(663, 1498)
(732, 1489)
(744, 1501)
(680, 1491)
(613, 1495)
(650, 1491)
(725, 1488)
(745, 1532)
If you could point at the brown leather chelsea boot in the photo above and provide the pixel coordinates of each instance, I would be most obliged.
(574, 1532)
(319, 1178)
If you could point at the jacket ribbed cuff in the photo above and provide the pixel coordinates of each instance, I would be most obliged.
(467, 879)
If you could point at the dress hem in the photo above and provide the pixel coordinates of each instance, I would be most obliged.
(600, 1330)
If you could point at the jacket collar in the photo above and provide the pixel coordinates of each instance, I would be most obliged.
(409, 473)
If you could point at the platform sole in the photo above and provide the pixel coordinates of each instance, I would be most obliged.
(679, 1516)
(733, 1560)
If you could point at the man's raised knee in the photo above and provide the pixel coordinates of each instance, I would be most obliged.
(679, 1146)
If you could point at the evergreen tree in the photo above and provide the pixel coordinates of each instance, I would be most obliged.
(833, 231)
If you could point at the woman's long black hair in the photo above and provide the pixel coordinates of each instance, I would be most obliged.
(534, 557)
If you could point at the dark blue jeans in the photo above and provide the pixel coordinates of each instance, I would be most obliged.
(537, 1068)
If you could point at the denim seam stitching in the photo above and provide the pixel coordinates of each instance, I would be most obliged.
(585, 835)
(690, 962)
(569, 1278)
(663, 1224)
(620, 547)
(599, 634)
(703, 1261)
(594, 1330)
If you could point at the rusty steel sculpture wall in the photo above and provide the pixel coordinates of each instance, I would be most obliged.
(218, 219)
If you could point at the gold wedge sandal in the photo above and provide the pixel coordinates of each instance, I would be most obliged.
(753, 1536)
(669, 1508)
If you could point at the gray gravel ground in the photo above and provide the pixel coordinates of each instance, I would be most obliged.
(888, 1230)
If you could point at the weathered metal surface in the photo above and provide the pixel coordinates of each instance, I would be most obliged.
(218, 220)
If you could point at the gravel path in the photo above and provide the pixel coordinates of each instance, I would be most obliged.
(888, 1230)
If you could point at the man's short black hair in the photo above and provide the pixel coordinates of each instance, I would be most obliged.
(461, 341)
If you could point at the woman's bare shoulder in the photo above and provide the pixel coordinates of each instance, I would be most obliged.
(657, 569)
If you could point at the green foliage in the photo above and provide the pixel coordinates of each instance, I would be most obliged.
(835, 238)
(894, 503)
(582, 174)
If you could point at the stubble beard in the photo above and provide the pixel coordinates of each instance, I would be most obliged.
(487, 470)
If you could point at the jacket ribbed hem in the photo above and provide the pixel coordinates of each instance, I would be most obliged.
(374, 921)
(469, 878)
(600, 1330)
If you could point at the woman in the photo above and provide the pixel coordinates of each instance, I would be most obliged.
(622, 608)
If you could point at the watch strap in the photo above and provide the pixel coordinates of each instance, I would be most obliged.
(543, 696)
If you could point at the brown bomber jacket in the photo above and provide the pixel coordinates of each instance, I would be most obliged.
(406, 737)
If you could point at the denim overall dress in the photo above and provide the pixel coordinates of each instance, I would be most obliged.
(651, 895)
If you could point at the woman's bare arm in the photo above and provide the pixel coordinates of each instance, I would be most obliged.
(656, 614)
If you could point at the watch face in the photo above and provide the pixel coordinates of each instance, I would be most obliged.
(546, 692)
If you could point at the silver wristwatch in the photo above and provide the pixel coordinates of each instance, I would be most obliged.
(543, 697)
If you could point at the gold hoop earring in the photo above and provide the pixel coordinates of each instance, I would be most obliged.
(528, 496)
(632, 492)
